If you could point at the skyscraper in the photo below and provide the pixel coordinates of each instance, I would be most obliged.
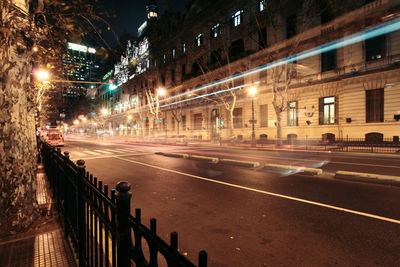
(80, 65)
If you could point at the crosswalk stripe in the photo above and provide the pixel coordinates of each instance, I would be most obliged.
(91, 152)
(102, 151)
(125, 150)
(112, 150)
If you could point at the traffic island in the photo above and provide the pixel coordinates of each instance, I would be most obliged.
(292, 169)
(368, 177)
(240, 163)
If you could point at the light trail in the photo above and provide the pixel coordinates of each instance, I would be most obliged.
(384, 28)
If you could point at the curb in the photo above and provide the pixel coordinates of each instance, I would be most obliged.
(368, 177)
(240, 163)
(173, 155)
(212, 159)
(312, 171)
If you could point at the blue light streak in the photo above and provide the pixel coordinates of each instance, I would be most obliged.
(384, 28)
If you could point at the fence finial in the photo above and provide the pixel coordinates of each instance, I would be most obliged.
(80, 163)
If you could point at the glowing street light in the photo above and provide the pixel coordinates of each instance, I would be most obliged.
(252, 92)
(84, 119)
(129, 117)
(104, 111)
(43, 75)
(76, 122)
(161, 92)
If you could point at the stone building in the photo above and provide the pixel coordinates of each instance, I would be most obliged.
(319, 71)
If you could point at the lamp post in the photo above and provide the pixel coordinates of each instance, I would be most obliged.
(252, 92)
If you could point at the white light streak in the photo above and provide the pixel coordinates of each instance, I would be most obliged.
(384, 28)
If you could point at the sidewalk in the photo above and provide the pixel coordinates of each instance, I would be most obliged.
(42, 245)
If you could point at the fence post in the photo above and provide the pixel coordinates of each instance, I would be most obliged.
(202, 259)
(81, 212)
(65, 194)
(124, 241)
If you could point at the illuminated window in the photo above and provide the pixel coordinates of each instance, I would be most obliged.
(292, 113)
(261, 5)
(327, 110)
(152, 14)
(237, 18)
(173, 52)
(164, 58)
(184, 47)
(199, 40)
(216, 30)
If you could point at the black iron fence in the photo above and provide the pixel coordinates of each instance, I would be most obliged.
(99, 223)
(386, 145)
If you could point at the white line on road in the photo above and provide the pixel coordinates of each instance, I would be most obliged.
(268, 193)
(79, 154)
(102, 151)
(124, 150)
(363, 164)
(120, 155)
(91, 152)
(112, 150)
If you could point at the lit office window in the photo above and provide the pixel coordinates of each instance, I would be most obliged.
(261, 5)
(327, 110)
(292, 114)
(199, 40)
(216, 30)
(237, 18)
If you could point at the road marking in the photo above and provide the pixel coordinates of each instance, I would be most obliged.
(120, 155)
(79, 154)
(102, 151)
(119, 150)
(280, 159)
(91, 152)
(112, 150)
(268, 193)
(364, 164)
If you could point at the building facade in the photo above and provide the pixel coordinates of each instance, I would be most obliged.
(80, 65)
(317, 72)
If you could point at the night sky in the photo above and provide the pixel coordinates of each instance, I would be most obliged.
(130, 14)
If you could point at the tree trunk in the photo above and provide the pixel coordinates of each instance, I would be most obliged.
(278, 127)
(18, 155)
(231, 123)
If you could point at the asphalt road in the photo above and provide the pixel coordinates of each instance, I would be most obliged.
(252, 217)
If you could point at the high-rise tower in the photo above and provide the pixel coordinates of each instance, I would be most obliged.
(152, 9)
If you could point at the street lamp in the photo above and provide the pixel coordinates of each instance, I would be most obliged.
(252, 92)
(43, 75)
(76, 122)
(104, 111)
(161, 92)
(129, 117)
